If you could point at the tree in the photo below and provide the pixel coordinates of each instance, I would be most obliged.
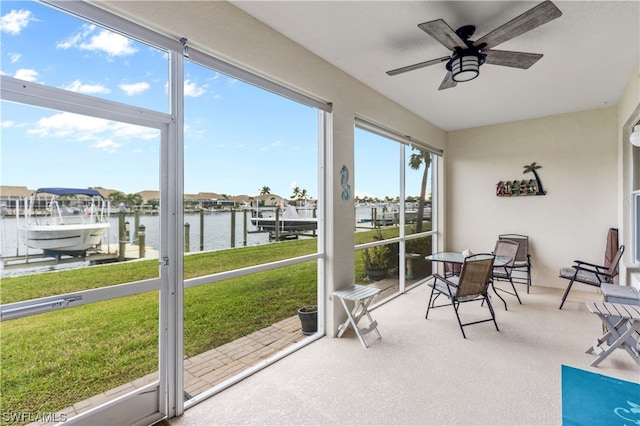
(117, 197)
(265, 190)
(296, 193)
(416, 160)
(531, 168)
(133, 199)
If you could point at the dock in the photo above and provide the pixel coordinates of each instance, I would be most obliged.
(106, 254)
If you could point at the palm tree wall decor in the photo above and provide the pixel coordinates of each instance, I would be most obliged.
(531, 168)
(516, 187)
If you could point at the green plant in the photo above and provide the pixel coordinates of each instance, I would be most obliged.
(376, 257)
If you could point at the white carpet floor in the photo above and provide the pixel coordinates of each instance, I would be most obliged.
(424, 372)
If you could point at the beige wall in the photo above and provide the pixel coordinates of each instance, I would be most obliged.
(578, 154)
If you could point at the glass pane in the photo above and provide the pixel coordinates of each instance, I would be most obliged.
(60, 364)
(377, 189)
(250, 182)
(249, 155)
(234, 324)
(58, 228)
(43, 45)
(418, 190)
(76, 358)
(377, 185)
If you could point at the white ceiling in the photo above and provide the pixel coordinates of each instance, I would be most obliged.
(590, 54)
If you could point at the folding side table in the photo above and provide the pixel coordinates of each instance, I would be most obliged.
(362, 296)
(623, 325)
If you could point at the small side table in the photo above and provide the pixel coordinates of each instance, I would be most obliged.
(362, 296)
(616, 293)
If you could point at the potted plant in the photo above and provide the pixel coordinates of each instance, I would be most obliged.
(308, 319)
(376, 262)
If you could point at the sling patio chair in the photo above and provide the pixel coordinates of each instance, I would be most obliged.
(522, 263)
(503, 273)
(591, 274)
(471, 285)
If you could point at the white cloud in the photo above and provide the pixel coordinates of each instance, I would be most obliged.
(15, 21)
(14, 57)
(102, 134)
(26, 74)
(135, 88)
(89, 89)
(107, 145)
(275, 144)
(93, 38)
(7, 123)
(192, 89)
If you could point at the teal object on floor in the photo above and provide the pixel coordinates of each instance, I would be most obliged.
(594, 399)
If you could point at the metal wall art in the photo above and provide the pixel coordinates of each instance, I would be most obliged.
(514, 188)
(344, 182)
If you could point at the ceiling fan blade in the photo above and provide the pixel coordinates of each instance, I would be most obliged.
(447, 82)
(541, 14)
(511, 59)
(442, 32)
(417, 66)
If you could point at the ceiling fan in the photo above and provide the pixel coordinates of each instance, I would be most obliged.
(467, 56)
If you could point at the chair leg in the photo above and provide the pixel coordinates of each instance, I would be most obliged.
(566, 293)
(514, 290)
(430, 299)
(493, 314)
(498, 294)
(456, 305)
(528, 277)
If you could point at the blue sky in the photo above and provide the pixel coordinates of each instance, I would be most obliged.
(237, 138)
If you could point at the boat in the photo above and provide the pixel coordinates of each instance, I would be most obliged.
(289, 221)
(64, 221)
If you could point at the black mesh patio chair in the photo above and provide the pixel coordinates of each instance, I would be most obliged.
(506, 248)
(591, 274)
(522, 262)
(471, 285)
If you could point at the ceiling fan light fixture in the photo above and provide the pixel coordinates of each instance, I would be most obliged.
(465, 67)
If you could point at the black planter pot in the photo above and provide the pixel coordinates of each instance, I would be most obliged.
(376, 274)
(309, 319)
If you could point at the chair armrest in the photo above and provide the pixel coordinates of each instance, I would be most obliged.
(579, 263)
(440, 277)
(600, 274)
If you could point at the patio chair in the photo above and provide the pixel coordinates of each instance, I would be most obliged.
(471, 285)
(504, 273)
(523, 258)
(592, 274)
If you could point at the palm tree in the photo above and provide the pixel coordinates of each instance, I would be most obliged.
(265, 190)
(531, 168)
(296, 193)
(415, 161)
